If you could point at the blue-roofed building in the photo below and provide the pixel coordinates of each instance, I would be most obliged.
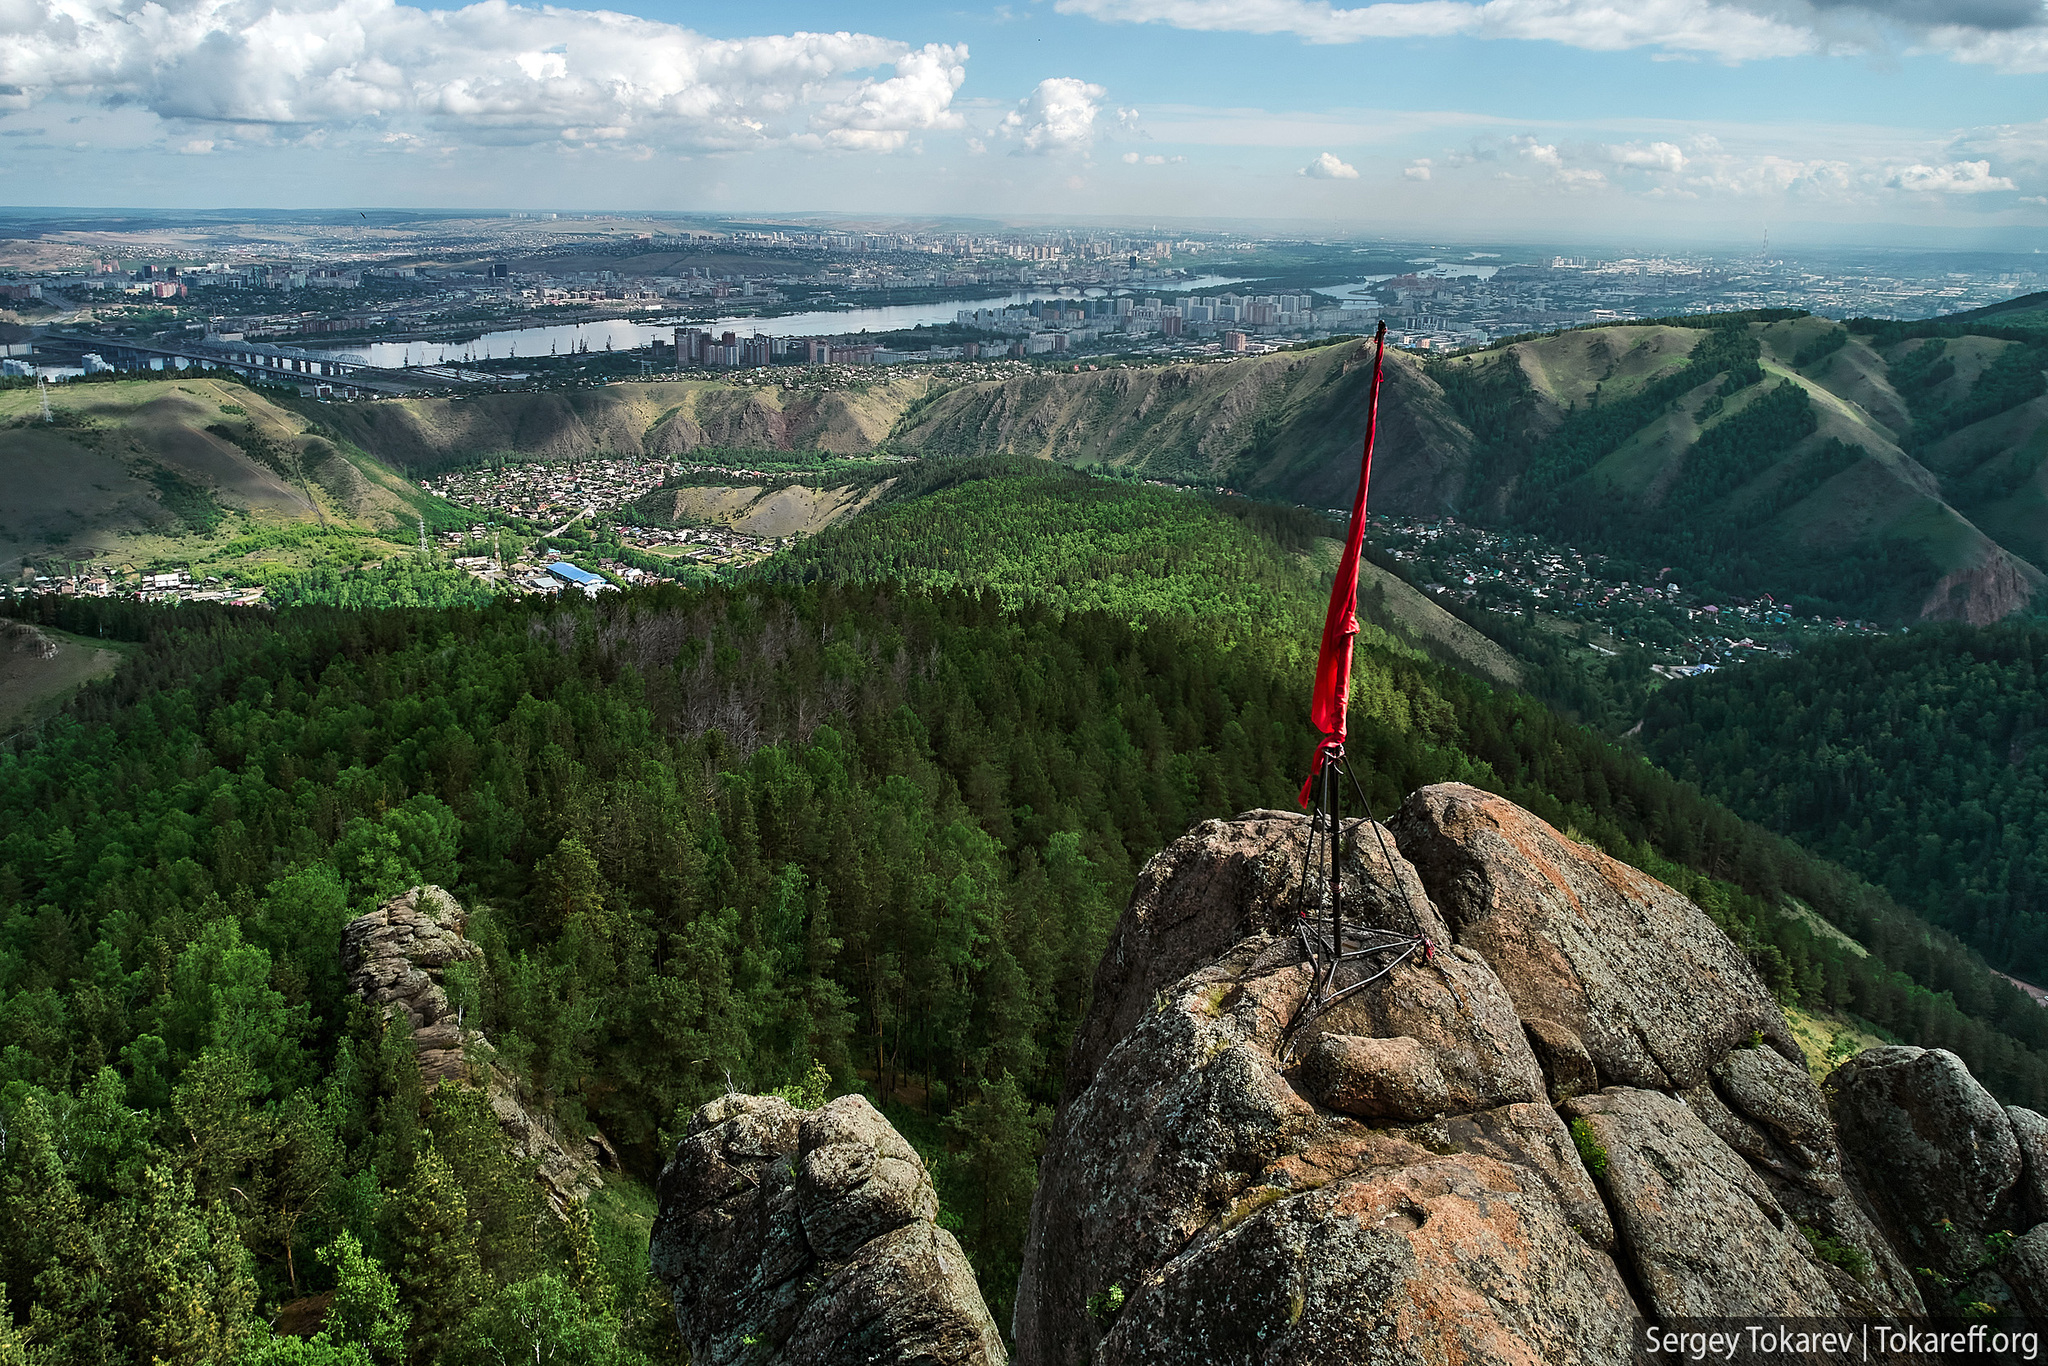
(569, 574)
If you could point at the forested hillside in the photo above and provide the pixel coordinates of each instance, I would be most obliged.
(1916, 760)
(706, 838)
(1072, 542)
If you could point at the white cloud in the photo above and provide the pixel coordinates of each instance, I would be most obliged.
(489, 72)
(1717, 29)
(197, 147)
(1550, 164)
(1771, 175)
(1654, 156)
(2014, 51)
(1957, 177)
(1058, 116)
(1328, 167)
(1700, 166)
(2015, 151)
(1418, 169)
(2009, 34)
(881, 115)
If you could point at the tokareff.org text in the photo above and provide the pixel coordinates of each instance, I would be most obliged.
(1874, 1342)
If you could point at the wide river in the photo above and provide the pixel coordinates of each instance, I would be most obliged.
(630, 334)
(1360, 293)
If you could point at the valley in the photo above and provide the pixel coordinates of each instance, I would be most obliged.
(1520, 575)
(1874, 471)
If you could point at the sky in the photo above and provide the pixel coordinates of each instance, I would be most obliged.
(1492, 119)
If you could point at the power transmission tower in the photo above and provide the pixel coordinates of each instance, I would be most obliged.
(423, 533)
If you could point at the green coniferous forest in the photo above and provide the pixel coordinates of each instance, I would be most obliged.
(874, 822)
(1043, 534)
(1914, 760)
(395, 583)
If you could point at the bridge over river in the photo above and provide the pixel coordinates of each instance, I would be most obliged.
(340, 376)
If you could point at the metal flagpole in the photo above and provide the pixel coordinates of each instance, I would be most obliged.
(1382, 950)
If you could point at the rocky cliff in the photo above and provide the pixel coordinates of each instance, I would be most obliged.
(808, 1237)
(1580, 1113)
(1583, 1113)
(397, 958)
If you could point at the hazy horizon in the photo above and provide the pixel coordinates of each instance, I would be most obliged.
(1709, 239)
(1700, 120)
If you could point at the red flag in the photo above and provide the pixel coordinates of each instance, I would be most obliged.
(1333, 664)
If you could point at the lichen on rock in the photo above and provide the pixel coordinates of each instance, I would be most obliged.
(1938, 1156)
(810, 1236)
(1392, 1178)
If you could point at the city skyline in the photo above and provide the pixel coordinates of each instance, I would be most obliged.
(1674, 119)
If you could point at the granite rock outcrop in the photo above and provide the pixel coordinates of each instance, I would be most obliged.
(1958, 1182)
(1581, 1111)
(396, 958)
(1575, 1112)
(810, 1236)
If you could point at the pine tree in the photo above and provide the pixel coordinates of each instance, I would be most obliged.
(53, 1256)
(441, 1278)
(501, 1197)
(1000, 1137)
(365, 1309)
(185, 1290)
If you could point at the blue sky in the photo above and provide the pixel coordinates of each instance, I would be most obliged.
(1487, 118)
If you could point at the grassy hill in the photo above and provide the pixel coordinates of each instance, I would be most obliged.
(1792, 455)
(1286, 425)
(190, 470)
(2028, 310)
(674, 417)
(765, 509)
(1787, 454)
